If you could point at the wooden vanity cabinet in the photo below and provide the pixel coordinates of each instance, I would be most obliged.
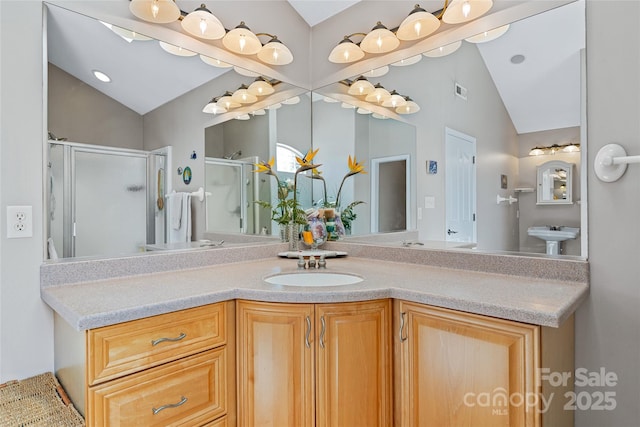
(314, 365)
(454, 368)
(174, 369)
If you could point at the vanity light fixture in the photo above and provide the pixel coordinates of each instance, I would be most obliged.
(243, 96)
(378, 96)
(461, 11)
(360, 86)
(346, 51)
(379, 40)
(261, 87)
(156, 11)
(203, 24)
(555, 148)
(417, 25)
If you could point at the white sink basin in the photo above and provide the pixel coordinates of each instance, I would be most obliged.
(556, 234)
(312, 279)
(553, 236)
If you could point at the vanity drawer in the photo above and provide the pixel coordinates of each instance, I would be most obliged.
(188, 392)
(125, 348)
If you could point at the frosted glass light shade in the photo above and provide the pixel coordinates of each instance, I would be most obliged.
(460, 11)
(363, 111)
(361, 86)
(214, 62)
(213, 108)
(242, 41)
(487, 36)
(379, 40)
(347, 106)
(444, 50)
(345, 52)
(275, 53)
(204, 24)
(377, 72)
(156, 11)
(260, 112)
(243, 117)
(243, 96)
(379, 95)
(176, 50)
(260, 87)
(227, 102)
(409, 108)
(394, 100)
(417, 25)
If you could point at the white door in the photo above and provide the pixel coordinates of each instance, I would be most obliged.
(460, 183)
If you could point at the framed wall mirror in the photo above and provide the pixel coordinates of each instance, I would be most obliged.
(555, 183)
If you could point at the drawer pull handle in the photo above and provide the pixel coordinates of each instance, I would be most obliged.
(178, 338)
(402, 338)
(183, 400)
(324, 326)
(306, 337)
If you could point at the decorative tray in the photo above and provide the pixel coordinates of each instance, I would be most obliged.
(308, 253)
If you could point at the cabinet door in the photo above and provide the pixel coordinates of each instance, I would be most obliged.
(275, 364)
(354, 364)
(458, 369)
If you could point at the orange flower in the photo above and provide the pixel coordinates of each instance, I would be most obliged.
(307, 159)
(355, 167)
(266, 167)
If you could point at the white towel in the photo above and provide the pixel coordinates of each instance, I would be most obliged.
(175, 210)
(183, 232)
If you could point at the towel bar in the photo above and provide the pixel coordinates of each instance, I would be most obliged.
(611, 162)
(199, 193)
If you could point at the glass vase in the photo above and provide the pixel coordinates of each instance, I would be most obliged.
(290, 233)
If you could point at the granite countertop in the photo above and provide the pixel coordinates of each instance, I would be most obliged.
(96, 303)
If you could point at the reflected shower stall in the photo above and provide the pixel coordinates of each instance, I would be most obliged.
(232, 188)
(100, 202)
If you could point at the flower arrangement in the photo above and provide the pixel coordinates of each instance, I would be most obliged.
(287, 210)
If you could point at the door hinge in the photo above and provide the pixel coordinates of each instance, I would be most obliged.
(473, 160)
(474, 217)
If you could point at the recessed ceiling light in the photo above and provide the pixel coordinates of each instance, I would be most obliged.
(101, 76)
(517, 59)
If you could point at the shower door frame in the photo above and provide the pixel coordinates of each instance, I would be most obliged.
(69, 185)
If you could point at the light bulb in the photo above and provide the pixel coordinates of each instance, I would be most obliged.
(203, 26)
(242, 42)
(155, 8)
(379, 42)
(346, 56)
(417, 28)
(275, 55)
(466, 9)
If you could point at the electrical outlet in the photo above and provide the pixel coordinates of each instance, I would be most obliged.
(19, 222)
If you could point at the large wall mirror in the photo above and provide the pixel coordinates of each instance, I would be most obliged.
(497, 112)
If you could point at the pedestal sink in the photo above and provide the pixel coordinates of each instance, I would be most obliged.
(313, 279)
(553, 235)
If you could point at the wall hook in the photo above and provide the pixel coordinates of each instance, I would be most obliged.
(611, 162)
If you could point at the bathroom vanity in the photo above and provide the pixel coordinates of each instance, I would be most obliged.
(413, 343)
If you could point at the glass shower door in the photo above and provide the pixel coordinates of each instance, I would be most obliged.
(226, 210)
(109, 203)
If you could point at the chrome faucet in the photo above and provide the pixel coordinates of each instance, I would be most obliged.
(311, 263)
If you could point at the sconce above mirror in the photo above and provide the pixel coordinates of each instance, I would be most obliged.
(555, 182)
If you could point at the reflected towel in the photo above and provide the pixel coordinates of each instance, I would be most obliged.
(183, 232)
(175, 210)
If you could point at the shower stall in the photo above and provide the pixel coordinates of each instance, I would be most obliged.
(232, 188)
(102, 201)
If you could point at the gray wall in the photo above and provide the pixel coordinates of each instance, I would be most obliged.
(80, 113)
(607, 326)
(608, 323)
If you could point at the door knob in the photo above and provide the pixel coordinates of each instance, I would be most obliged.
(450, 232)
